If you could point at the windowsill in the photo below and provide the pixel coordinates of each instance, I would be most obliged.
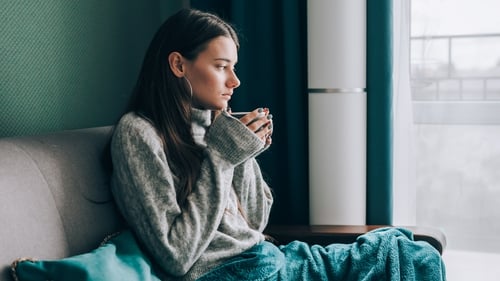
(464, 265)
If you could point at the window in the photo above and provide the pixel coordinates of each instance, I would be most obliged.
(455, 83)
(455, 91)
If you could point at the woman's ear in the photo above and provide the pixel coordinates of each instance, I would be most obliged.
(176, 63)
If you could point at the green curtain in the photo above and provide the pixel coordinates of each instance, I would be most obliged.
(379, 109)
(273, 70)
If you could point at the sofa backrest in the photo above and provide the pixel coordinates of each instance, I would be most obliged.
(55, 199)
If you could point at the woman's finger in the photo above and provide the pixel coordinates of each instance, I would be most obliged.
(265, 130)
(253, 116)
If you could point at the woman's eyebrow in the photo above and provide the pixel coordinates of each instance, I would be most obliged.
(224, 59)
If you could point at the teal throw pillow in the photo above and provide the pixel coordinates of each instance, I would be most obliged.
(118, 258)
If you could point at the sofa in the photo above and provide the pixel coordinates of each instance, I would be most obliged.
(55, 200)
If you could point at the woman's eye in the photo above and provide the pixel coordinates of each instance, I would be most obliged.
(225, 67)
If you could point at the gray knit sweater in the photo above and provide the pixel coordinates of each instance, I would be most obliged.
(189, 241)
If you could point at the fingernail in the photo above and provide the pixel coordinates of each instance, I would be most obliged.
(260, 110)
(270, 127)
(270, 116)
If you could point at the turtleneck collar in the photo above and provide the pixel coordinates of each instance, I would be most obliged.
(200, 121)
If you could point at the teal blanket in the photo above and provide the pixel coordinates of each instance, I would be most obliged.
(383, 254)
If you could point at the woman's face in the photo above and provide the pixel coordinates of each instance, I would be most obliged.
(212, 74)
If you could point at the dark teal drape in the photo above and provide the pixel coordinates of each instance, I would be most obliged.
(273, 70)
(379, 108)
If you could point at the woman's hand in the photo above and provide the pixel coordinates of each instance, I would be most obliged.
(260, 121)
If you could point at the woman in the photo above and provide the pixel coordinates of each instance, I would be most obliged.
(186, 180)
(185, 175)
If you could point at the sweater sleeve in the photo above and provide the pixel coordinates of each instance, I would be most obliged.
(254, 194)
(145, 191)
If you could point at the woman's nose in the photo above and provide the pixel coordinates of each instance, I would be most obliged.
(234, 82)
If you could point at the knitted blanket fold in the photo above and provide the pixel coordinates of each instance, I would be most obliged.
(382, 254)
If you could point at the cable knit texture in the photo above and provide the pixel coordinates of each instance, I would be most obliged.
(188, 241)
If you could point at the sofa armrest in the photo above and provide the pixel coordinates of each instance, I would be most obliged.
(329, 234)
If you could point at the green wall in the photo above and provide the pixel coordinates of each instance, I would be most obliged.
(71, 64)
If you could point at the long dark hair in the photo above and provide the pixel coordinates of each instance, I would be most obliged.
(164, 99)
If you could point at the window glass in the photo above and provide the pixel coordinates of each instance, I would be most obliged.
(455, 84)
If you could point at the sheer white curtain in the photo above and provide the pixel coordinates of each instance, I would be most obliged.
(446, 128)
(404, 202)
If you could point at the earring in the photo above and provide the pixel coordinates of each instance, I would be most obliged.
(189, 85)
